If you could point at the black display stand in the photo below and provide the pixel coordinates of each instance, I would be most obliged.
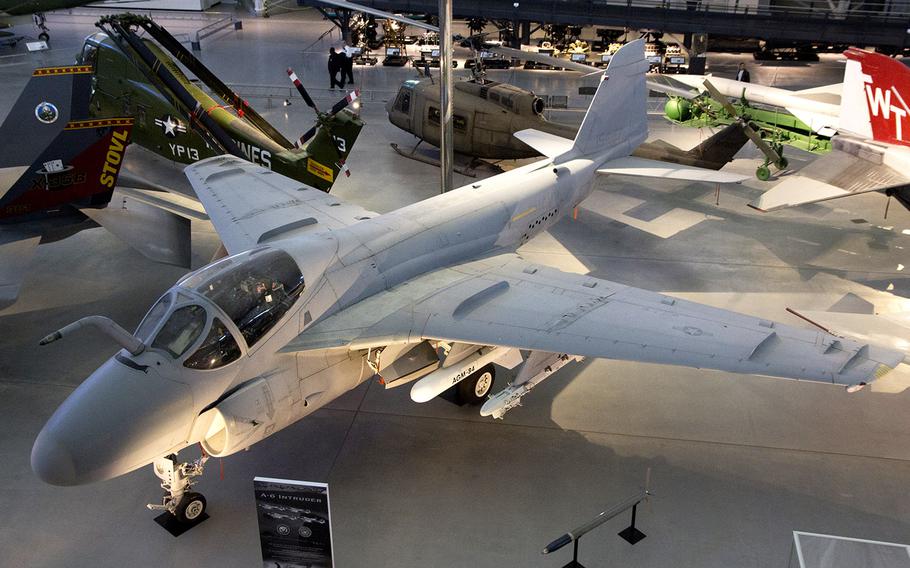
(631, 534)
(175, 527)
(574, 563)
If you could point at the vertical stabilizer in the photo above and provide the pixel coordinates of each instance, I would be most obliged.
(618, 114)
(885, 84)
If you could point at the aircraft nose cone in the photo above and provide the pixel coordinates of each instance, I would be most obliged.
(52, 462)
(120, 418)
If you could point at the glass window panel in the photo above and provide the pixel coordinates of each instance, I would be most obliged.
(181, 330)
(154, 315)
(217, 350)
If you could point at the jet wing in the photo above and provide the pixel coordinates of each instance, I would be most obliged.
(837, 174)
(249, 204)
(506, 301)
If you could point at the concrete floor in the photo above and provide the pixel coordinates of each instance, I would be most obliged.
(737, 462)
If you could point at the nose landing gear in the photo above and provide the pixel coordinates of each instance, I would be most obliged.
(183, 508)
(41, 24)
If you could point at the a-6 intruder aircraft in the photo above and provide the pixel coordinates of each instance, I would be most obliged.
(319, 295)
(178, 120)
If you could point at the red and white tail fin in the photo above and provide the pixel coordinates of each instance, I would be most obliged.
(875, 97)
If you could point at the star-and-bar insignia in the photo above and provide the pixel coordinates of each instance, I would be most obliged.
(171, 126)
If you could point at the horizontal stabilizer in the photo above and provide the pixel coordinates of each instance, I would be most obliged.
(643, 167)
(545, 143)
(851, 168)
(797, 190)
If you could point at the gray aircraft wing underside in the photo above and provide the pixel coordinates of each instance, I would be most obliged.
(16, 251)
(506, 301)
(249, 204)
(832, 176)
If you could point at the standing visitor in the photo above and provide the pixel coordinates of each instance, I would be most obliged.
(742, 74)
(334, 68)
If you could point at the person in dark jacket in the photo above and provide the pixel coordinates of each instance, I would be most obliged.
(335, 62)
(742, 74)
(347, 64)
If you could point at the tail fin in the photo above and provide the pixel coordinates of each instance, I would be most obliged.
(618, 114)
(885, 86)
(330, 146)
(60, 156)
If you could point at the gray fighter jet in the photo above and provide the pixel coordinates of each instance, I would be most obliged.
(319, 295)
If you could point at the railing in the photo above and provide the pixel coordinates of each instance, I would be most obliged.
(215, 27)
(275, 95)
(743, 7)
(894, 14)
(217, 20)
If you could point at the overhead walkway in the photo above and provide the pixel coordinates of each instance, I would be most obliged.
(729, 18)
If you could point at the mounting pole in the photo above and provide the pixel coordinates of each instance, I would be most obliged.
(446, 93)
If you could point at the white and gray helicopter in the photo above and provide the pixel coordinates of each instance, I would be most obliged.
(319, 295)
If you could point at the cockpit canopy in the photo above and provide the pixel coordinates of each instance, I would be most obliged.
(253, 289)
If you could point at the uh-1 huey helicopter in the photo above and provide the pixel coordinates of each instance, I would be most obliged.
(179, 121)
(487, 115)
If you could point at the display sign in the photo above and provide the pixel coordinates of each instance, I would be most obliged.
(392, 51)
(677, 61)
(295, 528)
(579, 57)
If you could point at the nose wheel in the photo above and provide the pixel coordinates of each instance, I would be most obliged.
(183, 508)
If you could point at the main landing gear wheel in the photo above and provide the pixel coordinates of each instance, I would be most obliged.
(763, 173)
(476, 388)
(190, 508)
(44, 36)
(782, 163)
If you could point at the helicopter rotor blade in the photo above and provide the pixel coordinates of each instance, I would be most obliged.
(338, 107)
(303, 92)
(543, 58)
(343, 103)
